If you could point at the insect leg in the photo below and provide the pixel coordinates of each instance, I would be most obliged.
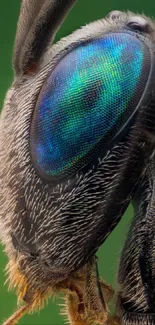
(136, 297)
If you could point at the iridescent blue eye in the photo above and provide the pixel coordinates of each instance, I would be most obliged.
(87, 99)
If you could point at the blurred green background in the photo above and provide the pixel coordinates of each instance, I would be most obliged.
(84, 12)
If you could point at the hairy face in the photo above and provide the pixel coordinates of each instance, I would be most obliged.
(65, 185)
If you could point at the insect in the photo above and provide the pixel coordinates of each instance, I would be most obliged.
(76, 147)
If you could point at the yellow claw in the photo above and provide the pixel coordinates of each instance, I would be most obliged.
(86, 297)
(17, 315)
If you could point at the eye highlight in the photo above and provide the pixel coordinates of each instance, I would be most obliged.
(85, 102)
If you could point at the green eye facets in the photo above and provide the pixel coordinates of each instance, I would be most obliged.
(88, 95)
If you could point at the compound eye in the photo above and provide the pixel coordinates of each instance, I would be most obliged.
(85, 102)
(115, 14)
(138, 24)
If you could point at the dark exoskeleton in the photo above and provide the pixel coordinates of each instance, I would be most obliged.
(77, 145)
